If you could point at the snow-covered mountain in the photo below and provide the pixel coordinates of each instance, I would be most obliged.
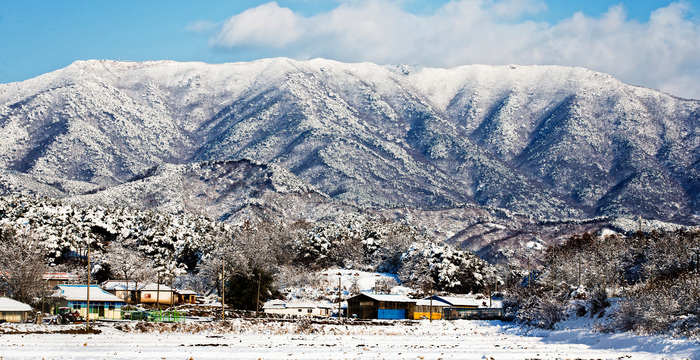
(544, 141)
(223, 190)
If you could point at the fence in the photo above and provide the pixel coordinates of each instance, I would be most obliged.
(155, 315)
(453, 313)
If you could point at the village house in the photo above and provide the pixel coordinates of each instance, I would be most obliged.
(185, 296)
(58, 278)
(297, 308)
(103, 305)
(457, 302)
(131, 292)
(466, 308)
(153, 293)
(381, 306)
(123, 289)
(13, 310)
(424, 311)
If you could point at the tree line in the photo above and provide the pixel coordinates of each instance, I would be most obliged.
(193, 251)
(645, 282)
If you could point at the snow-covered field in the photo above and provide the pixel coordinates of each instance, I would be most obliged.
(243, 339)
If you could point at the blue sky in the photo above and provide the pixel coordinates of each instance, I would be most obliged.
(649, 43)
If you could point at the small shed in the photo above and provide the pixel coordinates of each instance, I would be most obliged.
(103, 305)
(381, 306)
(423, 309)
(186, 297)
(13, 310)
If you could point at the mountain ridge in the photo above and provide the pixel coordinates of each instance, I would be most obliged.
(553, 142)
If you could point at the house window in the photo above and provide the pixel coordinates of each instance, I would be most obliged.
(111, 307)
(76, 306)
(299, 310)
(148, 296)
(310, 311)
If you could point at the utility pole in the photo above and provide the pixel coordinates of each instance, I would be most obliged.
(158, 292)
(340, 301)
(87, 318)
(172, 294)
(43, 300)
(223, 287)
(431, 300)
(257, 304)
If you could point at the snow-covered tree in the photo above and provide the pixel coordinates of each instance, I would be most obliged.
(448, 268)
(22, 264)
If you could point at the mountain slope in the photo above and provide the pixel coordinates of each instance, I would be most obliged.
(225, 190)
(545, 141)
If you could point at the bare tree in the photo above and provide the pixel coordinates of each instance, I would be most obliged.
(224, 257)
(22, 264)
(130, 265)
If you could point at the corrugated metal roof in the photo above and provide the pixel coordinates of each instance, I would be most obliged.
(7, 304)
(274, 304)
(300, 305)
(154, 287)
(185, 292)
(458, 301)
(59, 276)
(426, 302)
(389, 297)
(281, 304)
(79, 293)
(119, 285)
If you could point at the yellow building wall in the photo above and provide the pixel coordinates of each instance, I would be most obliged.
(418, 315)
(115, 314)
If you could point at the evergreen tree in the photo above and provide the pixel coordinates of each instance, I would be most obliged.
(242, 288)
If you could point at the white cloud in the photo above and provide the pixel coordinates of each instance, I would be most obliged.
(267, 25)
(662, 53)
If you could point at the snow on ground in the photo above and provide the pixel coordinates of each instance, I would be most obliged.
(250, 339)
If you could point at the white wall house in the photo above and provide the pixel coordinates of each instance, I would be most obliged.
(152, 292)
(13, 310)
(296, 308)
(103, 305)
